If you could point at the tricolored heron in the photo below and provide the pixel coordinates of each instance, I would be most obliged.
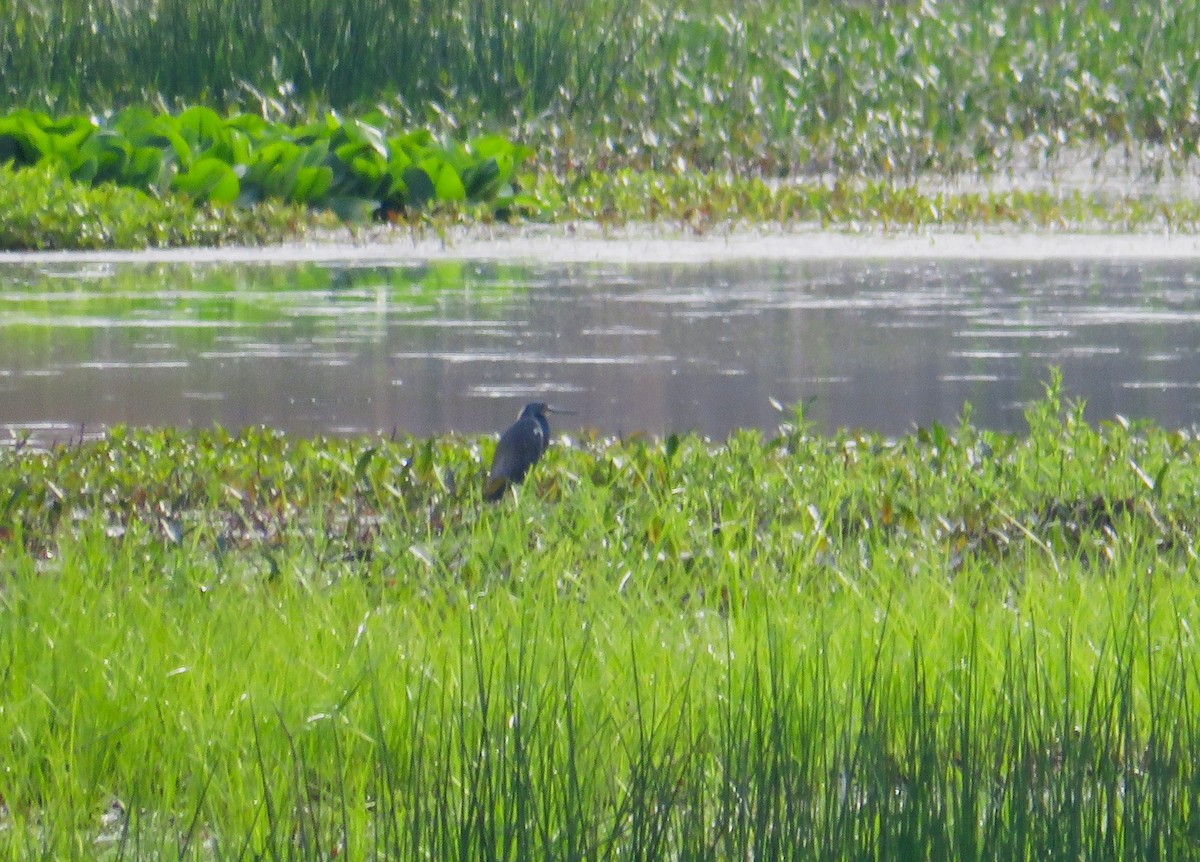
(520, 446)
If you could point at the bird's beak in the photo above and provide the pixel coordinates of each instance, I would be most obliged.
(561, 411)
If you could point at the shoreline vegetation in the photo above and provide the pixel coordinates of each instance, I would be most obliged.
(42, 211)
(769, 88)
(699, 114)
(953, 644)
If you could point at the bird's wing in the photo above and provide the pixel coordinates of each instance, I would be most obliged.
(519, 447)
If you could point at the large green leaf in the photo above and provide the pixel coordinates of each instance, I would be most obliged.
(359, 132)
(66, 142)
(490, 146)
(446, 181)
(201, 126)
(22, 139)
(62, 142)
(250, 124)
(146, 169)
(419, 187)
(315, 153)
(231, 146)
(209, 179)
(162, 134)
(174, 145)
(321, 130)
(482, 181)
(84, 169)
(274, 169)
(398, 164)
(365, 176)
(109, 152)
(312, 184)
(415, 144)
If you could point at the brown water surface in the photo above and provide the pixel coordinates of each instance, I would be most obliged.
(327, 347)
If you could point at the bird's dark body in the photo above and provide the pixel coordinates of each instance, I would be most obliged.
(519, 448)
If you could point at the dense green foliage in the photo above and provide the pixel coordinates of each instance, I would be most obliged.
(352, 167)
(636, 109)
(955, 645)
(41, 209)
(769, 86)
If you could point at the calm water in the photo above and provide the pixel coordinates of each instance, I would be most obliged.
(460, 346)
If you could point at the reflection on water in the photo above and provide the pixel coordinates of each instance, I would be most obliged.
(459, 346)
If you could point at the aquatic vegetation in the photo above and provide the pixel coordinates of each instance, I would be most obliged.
(956, 644)
(358, 168)
(767, 88)
(629, 110)
(142, 179)
(42, 209)
(701, 202)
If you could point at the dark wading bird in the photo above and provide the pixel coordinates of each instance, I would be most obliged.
(520, 446)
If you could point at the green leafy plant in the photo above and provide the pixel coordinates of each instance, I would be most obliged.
(349, 166)
(955, 644)
(40, 208)
(767, 88)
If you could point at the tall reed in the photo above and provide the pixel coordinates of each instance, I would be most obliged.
(766, 87)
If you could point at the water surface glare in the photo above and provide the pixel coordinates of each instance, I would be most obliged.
(443, 346)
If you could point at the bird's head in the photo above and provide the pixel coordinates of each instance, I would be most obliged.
(534, 410)
(539, 409)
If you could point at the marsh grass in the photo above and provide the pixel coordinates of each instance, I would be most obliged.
(502, 54)
(701, 203)
(955, 645)
(764, 88)
(702, 112)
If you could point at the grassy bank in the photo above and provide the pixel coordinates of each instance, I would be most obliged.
(956, 645)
